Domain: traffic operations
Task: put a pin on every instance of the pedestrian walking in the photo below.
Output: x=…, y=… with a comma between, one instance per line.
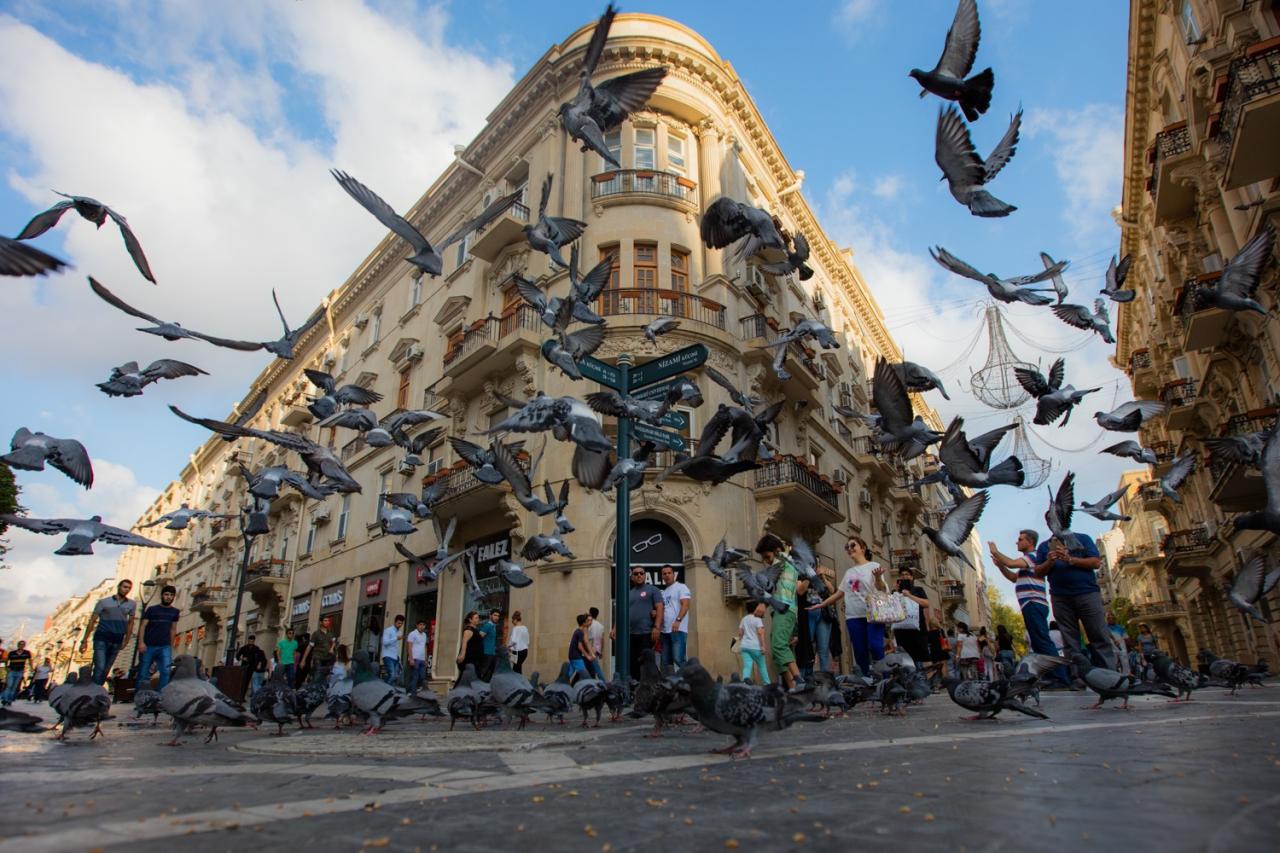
x=909, y=634
x=416, y=647
x=318, y=657
x=111, y=626
x=286, y=655
x=391, y=637
x=676, y=601
x=1119, y=639
x=987, y=655
x=470, y=644
x=644, y=617
x=820, y=624
x=939, y=649
x=1004, y=649
x=1074, y=591
x=18, y=661
x=967, y=652
x=1029, y=587
x=787, y=589
x=158, y=632
x=40, y=681
x=596, y=635
x=751, y=642
x=867, y=638
x=518, y=642
x=341, y=664
x=253, y=664
x=580, y=650
x=490, y=631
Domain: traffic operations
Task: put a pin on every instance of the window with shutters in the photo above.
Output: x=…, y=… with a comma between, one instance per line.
x=402, y=394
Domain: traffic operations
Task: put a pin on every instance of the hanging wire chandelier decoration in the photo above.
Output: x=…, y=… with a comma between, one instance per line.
x=1035, y=469
x=995, y=384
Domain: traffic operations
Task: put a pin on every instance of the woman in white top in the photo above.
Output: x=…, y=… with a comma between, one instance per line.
x=518, y=642
x=967, y=652
x=861, y=578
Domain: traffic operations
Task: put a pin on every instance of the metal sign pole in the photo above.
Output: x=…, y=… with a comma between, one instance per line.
x=622, y=541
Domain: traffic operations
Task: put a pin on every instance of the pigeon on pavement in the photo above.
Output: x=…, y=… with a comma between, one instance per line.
x=1175, y=675
x=987, y=698
x=1053, y=399
x=128, y=379
x=192, y=701
x=1250, y=584
x=19, y=721
x=1009, y=290
x=1132, y=450
x=957, y=525
x=20, y=260
x=1109, y=684
x=274, y=701
x=97, y=213
x=1102, y=509
x=145, y=702
x=81, y=703
x=28, y=451
x=1128, y=417
x=1236, y=289
x=374, y=697
x=947, y=79
x=965, y=172
x=1081, y=318
x=81, y=533
x=424, y=257
x=1116, y=274
x=739, y=709
x=551, y=233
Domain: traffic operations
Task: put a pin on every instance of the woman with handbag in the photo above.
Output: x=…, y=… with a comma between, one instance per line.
x=864, y=578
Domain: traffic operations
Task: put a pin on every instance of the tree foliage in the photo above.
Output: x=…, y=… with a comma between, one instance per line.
x=1123, y=610
x=8, y=503
x=1010, y=618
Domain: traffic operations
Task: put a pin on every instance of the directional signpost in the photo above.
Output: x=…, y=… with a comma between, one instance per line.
x=645, y=382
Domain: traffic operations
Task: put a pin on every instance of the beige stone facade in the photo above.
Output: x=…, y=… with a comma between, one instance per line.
x=1201, y=168
x=453, y=343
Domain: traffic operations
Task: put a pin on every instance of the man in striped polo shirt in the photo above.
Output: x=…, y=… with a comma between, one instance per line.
x=1031, y=590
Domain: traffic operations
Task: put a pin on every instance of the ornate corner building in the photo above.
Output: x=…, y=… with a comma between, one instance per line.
x=456, y=343
x=1201, y=177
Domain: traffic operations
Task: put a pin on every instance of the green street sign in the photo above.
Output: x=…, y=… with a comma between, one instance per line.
x=665, y=438
x=675, y=420
x=659, y=389
x=594, y=368
x=668, y=365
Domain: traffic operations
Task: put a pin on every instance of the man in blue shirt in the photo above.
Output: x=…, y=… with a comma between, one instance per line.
x=159, y=631
x=489, y=631
x=1076, y=597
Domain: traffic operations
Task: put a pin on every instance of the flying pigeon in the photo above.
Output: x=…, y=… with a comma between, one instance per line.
x=735, y=395
x=334, y=397
x=128, y=379
x=1109, y=684
x=554, y=311
x=97, y=213
x=1128, y=417
x=1061, y=507
x=723, y=558
x=967, y=461
x=813, y=329
x=19, y=259
x=192, y=701
x=1116, y=274
x=796, y=260
x=550, y=233
x=566, y=350
x=1053, y=399
x=170, y=331
x=901, y=429
x=918, y=379
x=243, y=416
x=1080, y=317
x=957, y=525
x=946, y=80
x=480, y=459
x=265, y=484
x=659, y=326
x=596, y=110
x=81, y=533
x=965, y=172
x=542, y=545
x=1267, y=518
x=320, y=460
x=738, y=709
x=567, y=417
x=512, y=574
x=80, y=703
x=1250, y=584
x=1243, y=449
x=30, y=450
x=1004, y=289
x=1132, y=450
x=380, y=432
x=395, y=520
x=1236, y=288
x=522, y=486
x=1102, y=509
x=1178, y=472
x=727, y=221
x=649, y=411
x=181, y=517
x=1059, y=286
x=424, y=257
x=492, y=211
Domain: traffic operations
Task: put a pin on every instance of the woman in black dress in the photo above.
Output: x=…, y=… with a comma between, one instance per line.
x=471, y=647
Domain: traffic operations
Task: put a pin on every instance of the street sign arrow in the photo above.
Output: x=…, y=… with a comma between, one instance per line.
x=659, y=389
x=675, y=420
x=668, y=365
x=594, y=368
x=666, y=438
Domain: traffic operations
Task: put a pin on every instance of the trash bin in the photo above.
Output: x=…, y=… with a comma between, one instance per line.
x=230, y=680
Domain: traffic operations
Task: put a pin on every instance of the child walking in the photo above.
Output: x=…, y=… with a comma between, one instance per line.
x=751, y=641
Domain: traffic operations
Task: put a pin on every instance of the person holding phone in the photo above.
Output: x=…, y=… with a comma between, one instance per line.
x=1074, y=591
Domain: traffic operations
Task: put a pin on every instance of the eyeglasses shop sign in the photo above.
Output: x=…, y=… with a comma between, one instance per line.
x=332, y=598
x=302, y=607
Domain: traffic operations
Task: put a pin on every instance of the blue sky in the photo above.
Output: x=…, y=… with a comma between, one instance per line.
x=213, y=135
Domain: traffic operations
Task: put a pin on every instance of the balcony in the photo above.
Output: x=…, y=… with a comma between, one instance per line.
x=1181, y=397
x=210, y=601
x=1151, y=496
x=296, y=415
x=488, y=242
x=871, y=455
x=654, y=302
x=952, y=591
x=758, y=330
x=478, y=342
x=807, y=497
x=1165, y=453
x=1172, y=148
x=223, y=533
x=907, y=558
x=1143, y=371
x=1239, y=487
x=1135, y=557
x=463, y=495
x=266, y=578
x=1202, y=328
x=1187, y=552
x=624, y=186
x=1154, y=611
x=1250, y=119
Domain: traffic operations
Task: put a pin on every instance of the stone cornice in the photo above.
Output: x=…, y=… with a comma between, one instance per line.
x=1142, y=32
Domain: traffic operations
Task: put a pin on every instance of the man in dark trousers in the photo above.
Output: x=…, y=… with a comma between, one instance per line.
x=110, y=625
x=158, y=632
x=321, y=651
x=644, y=615
x=18, y=660
x=253, y=663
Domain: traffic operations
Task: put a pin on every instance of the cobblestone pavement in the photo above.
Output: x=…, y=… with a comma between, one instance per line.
x=1194, y=777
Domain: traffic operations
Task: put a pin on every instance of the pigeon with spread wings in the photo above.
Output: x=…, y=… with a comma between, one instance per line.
x=966, y=173
x=97, y=213
x=947, y=79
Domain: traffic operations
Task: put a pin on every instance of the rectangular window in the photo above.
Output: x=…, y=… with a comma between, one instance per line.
x=615, y=272
x=343, y=515
x=679, y=270
x=646, y=265
x=645, y=148
x=675, y=154
x=1182, y=367
x=382, y=491
x=375, y=328
x=1190, y=26
x=460, y=256
x=435, y=460
x=311, y=535
x=815, y=456
x=415, y=292
x=402, y=394
x=613, y=141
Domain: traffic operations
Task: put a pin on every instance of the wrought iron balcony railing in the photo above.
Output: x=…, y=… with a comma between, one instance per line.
x=644, y=182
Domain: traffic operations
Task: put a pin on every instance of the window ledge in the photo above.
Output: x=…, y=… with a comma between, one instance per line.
x=459, y=272
x=408, y=315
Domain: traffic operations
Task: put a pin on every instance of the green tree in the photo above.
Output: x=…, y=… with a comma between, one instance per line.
x=1010, y=618
x=1123, y=610
x=8, y=503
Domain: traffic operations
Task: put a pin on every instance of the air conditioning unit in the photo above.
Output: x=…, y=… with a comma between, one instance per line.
x=732, y=587
x=818, y=301
x=864, y=497
x=414, y=352
x=886, y=527
x=840, y=476
x=362, y=320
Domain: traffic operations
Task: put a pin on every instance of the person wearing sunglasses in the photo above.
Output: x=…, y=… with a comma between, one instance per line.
x=644, y=616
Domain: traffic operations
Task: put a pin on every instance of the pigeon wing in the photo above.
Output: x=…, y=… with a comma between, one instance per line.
x=962, y=41
x=890, y=398
x=1179, y=470
x=956, y=453
x=168, y=368
x=724, y=223
x=49, y=526
x=1005, y=148
x=1073, y=315
x=1123, y=448
x=20, y=259
x=72, y=459
x=480, y=220
x=954, y=152
x=960, y=521
x=470, y=452
x=381, y=211
x=42, y=222
x=119, y=536
x=111, y=299
x=1032, y=381
x=511, y=471
x=1249, y=580
x=1111, y=498
x=617, y=97
x=1064, y=502
x=358, y=419
x=1240, y=276
x=583, y=342
x=957, y=266
x=321, y=380
x=1057, y=373
x=724, y=382
x=1148, y=408
x=590, y=286
x=132, y=246
x=599, y=36
x=984, y=445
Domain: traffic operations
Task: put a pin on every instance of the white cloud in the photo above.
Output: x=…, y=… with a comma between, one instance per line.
x=855, y=17
x=888, y=187
x=1087, y=147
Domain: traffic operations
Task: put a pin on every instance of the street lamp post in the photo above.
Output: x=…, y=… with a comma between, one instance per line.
x=253, y=523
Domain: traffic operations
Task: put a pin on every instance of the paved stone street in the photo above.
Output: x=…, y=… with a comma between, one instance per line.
x=1203, y=776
